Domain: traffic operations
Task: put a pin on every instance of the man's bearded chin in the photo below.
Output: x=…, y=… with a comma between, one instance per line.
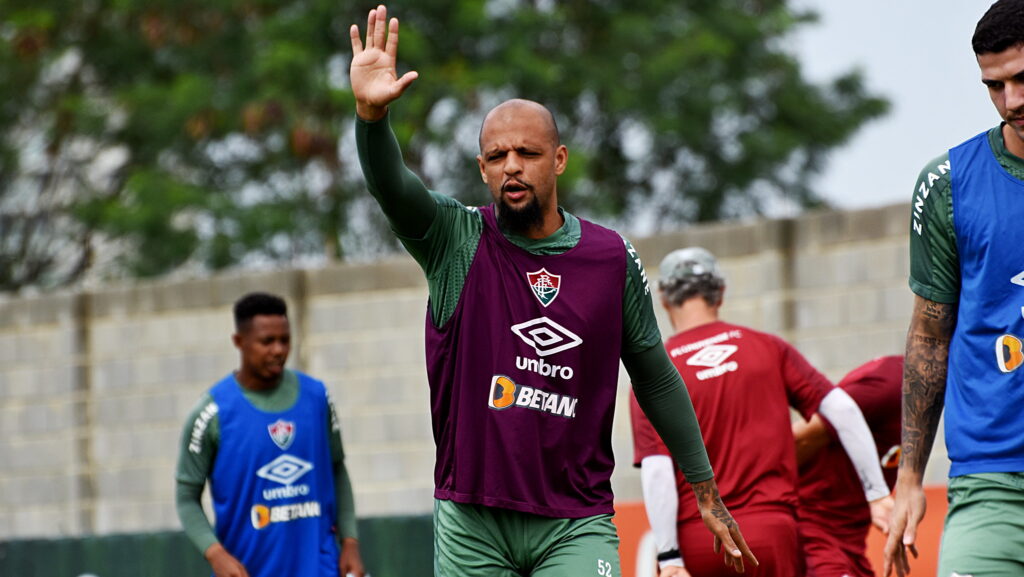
x=522, y=220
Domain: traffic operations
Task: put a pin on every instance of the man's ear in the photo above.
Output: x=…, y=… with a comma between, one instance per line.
x=236, y=339
x=480, y=163
x=561, y=159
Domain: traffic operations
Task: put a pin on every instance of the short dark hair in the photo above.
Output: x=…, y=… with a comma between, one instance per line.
x=708, y=286
x=1001, y=27
x=257, y=303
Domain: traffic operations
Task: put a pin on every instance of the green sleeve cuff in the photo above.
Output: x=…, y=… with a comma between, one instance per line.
x=927, y=292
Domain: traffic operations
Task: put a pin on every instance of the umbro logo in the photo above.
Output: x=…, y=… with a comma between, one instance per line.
x=712, y=356
x=546, y=336
x=285, y=469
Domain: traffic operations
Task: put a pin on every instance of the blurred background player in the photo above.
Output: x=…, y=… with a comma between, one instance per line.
x=743, y=383
x=965, y=344
x=522, y=350
x=834, y=518
x=268, y=440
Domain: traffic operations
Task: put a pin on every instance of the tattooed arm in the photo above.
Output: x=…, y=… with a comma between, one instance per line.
x=924, y=388
x=728, y=540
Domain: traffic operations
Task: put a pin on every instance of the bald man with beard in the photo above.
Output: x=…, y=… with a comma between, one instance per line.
x=530, y=309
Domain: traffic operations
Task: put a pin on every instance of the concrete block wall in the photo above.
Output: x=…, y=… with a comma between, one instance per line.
x=95, y=385
x=40, y=408
x=367, y=345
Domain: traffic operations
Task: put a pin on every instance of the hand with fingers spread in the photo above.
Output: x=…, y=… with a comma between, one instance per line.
x=728, y=539
x=373, y=73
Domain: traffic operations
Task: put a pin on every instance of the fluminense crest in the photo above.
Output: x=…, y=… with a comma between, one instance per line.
x=545, y=285
x=282, y=433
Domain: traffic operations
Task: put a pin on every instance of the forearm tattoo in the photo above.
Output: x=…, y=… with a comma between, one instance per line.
x=707, y=492
x=924, y=379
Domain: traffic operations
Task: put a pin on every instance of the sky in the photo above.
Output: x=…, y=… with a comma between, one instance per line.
x=917, y=53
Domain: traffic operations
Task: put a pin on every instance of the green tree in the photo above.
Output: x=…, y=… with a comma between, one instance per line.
x=141, y=137
x=679, y=111
x=149, y=135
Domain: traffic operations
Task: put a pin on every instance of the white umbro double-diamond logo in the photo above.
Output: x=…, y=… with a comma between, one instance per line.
x=285, y=469
x=546, y=336
x=712, y=355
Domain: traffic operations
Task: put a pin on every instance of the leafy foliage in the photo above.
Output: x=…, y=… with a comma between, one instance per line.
x=673, y=111
x=141, y=137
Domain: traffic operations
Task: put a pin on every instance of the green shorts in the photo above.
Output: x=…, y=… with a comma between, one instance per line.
x=984, y=532
x=478, y=541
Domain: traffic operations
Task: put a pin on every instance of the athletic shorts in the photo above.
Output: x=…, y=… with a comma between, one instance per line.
x=771, y=536
x=984, y=531
x=479, y=541
x=828, y=552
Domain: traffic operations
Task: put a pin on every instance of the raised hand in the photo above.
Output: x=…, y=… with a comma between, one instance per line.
x=373, y=75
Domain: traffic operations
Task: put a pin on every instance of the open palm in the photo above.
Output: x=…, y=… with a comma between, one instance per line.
x=373, y=73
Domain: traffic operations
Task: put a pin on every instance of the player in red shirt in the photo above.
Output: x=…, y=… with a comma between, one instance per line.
x=834, y=517
x=742, y=383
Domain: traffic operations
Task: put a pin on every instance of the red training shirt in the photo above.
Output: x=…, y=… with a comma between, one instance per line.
x=831, y=495
x=742, y=383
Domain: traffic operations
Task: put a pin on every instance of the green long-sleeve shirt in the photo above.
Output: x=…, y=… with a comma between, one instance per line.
x=442, y=235
x=194, y=467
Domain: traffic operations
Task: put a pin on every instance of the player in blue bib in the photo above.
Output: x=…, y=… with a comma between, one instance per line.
x=268, y=441
x=964, y=347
